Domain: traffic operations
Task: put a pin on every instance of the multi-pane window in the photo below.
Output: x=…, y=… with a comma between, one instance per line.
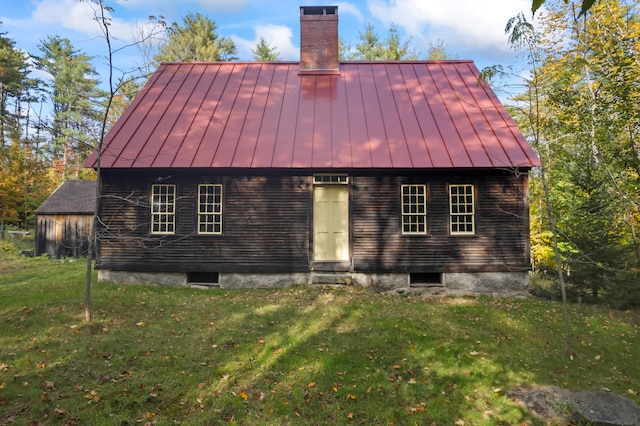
x=461, y=209
x=210, y=209
x=332, y=179
x=414, y=209
x=163, y=209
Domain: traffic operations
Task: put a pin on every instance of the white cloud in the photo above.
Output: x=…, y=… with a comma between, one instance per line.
x=461, y=24
x=209, y=5
x=276, y=35
x=68, y=14
x=79, y=17
x=350, y=9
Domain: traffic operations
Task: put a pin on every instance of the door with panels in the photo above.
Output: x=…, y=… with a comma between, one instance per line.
x=331, y=218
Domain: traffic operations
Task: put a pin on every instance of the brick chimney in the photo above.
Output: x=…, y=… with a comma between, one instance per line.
x=319, y=40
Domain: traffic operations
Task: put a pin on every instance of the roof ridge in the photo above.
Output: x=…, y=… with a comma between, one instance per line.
x=357, y=61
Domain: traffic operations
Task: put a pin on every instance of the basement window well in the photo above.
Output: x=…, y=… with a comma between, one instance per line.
x=425, y=279
x=205, y=278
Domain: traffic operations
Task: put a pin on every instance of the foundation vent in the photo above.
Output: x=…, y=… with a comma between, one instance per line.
x=425, y=279
x=203, y=279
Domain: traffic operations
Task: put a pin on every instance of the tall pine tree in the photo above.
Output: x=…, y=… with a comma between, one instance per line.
x=75, y=98
x=13, y=82
x=265, y=52
x=196, y=40
x=372, y=48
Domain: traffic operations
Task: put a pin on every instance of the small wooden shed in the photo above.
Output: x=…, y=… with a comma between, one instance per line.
x=63, y=221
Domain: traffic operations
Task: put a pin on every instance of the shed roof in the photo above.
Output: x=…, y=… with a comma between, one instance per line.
x=404, y=114
x=71, y=197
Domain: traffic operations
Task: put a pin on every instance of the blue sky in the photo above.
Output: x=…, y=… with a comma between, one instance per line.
x=471, y=29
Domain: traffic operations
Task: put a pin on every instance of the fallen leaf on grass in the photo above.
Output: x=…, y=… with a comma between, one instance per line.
x=350, y=415
x=92, y=397
x=418, y=409
x=243, y=396
x=4, y=367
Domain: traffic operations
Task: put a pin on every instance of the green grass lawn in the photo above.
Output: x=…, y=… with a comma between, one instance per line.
x=300, y=355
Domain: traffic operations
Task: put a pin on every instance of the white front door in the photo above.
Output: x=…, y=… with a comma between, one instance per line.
x=331, y=222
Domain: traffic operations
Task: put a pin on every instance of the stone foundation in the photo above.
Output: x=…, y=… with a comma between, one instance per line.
x=173, y=279
x=225, y=280
x=271, y=280
x=487, y=282
x=452, y=284
x=381, y=282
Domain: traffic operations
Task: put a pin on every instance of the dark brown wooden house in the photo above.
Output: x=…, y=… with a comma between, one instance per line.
x=63, y=221
x=383, y=174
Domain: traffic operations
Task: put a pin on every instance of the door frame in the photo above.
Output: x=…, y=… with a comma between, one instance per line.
x=330, y=179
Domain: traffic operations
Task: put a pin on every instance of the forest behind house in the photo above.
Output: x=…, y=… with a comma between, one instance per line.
x=576, y=97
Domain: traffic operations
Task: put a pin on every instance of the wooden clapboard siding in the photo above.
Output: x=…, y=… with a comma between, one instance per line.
x=265, y=224
x=499, y=244
x=62, y=235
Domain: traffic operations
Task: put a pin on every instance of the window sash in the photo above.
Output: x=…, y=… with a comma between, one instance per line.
x=462, y=209
x=414, y=209
x=210, y=209
x=163, y=208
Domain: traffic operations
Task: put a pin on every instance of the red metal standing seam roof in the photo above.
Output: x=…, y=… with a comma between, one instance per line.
x=404, y=114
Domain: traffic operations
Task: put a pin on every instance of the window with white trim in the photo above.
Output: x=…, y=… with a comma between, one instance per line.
x=414, y=209
x=461, y=209
x=210, y=209
x=163, y=209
